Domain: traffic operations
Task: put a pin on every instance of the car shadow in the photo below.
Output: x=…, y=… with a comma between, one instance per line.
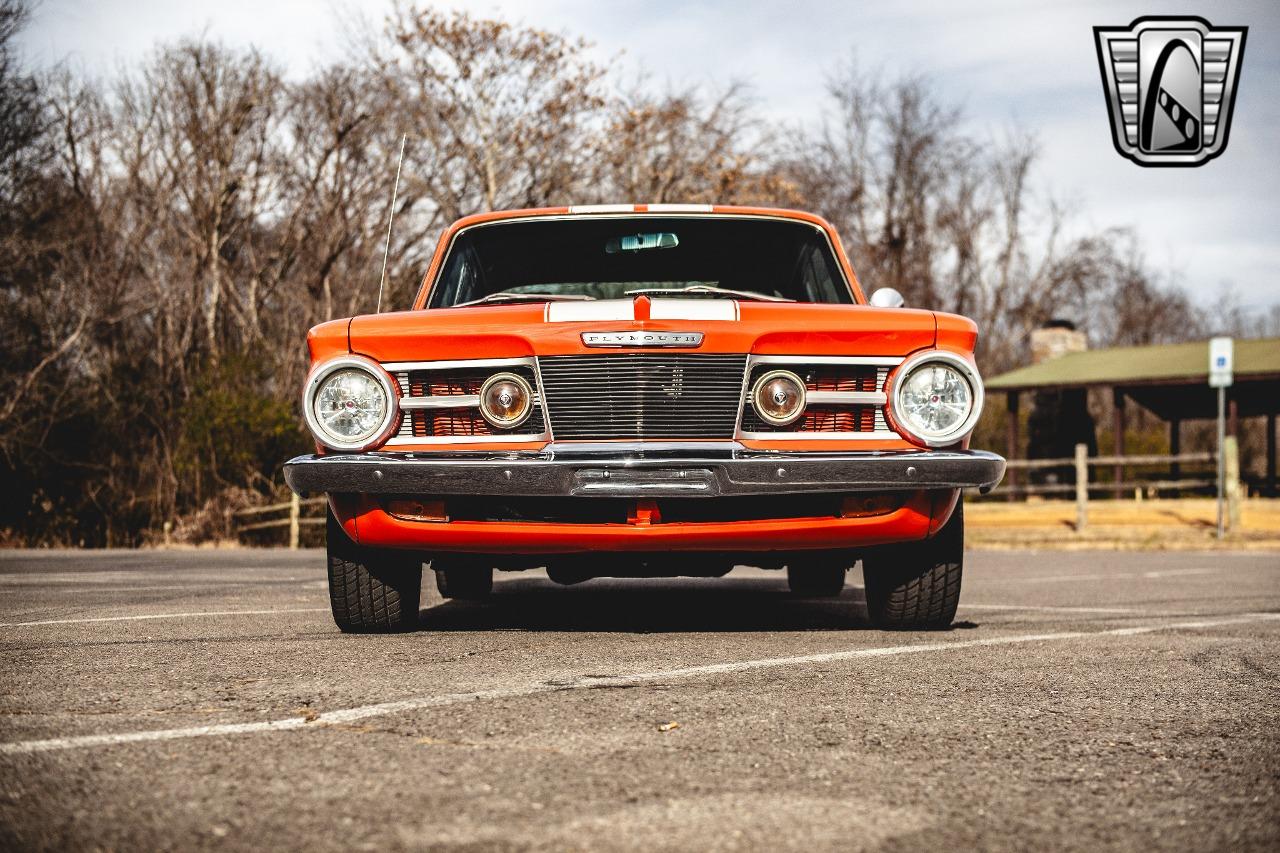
x=649, y=606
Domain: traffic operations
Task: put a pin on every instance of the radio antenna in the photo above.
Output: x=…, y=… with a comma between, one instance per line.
x=386, y=252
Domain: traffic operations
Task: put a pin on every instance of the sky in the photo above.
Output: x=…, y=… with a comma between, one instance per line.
x=1215, y=229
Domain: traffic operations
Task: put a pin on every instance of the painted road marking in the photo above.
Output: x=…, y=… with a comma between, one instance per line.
x=193, y=586
x=164, y=616
x=124, y=582
x=1047, y=609
x=325, y=610
x=1107, y=576
x=350, y=715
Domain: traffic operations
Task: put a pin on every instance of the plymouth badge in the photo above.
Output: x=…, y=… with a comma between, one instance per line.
x=642, y=339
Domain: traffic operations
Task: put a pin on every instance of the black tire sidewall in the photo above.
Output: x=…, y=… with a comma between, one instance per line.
x=371, y=590
x=916, y=586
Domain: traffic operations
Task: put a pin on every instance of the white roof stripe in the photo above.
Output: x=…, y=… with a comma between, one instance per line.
x=602, y=208
x=679, y=208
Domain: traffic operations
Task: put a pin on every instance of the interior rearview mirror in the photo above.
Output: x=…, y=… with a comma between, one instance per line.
x=636, y=242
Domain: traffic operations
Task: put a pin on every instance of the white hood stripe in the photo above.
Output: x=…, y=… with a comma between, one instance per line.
x=693, y=309
x=614, y=310
x=577, y=312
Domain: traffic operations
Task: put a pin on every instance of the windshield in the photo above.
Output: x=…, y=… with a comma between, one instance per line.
x=620, y=257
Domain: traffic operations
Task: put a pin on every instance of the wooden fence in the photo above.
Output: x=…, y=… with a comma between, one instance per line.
x=1082, y=462
x=1119, y=486
x=293, y=519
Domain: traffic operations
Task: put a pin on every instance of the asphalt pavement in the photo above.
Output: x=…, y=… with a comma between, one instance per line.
x=205, y=700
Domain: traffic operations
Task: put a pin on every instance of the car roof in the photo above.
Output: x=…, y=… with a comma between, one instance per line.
x=616, y=209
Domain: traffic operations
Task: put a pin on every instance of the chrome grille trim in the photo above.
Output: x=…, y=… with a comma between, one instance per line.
x=457, y=364
x=883, y=361
x=407, y=404
x=882, y=423
x=847, y=398
x=644, y=395
x=724, y=386
x=878, y=398
x=452, y=401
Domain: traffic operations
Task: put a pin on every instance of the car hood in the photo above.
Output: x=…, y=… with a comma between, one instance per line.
x=504, y=331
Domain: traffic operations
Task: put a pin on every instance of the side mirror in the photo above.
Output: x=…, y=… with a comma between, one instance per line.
x=887, y=297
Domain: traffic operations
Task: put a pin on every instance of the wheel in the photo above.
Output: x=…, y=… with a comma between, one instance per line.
x=462, y=578
x=916, y=586
x=371, y=590
x=817, y=578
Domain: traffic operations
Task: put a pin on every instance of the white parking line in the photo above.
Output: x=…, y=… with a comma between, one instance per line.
x=71, y=577
x=164, y=616
x=349, y=715
x=195, y=587
x=127, y=583
x=1106, y=576
x=1047, y=609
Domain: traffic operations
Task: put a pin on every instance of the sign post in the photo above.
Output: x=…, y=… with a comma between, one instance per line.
x=1221, y=358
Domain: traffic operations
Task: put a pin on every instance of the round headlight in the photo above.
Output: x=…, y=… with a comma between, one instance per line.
x=506, y=400
x=349, y=404
x=778, y=397
x=938, y=399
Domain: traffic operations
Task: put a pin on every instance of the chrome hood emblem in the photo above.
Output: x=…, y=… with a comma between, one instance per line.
x=642, y=339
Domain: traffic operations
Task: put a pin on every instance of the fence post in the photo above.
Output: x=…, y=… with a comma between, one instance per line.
x=1117, y=396
x=1231, y=450
x=1011, y=445
x=1082, y=486
x=295, y=509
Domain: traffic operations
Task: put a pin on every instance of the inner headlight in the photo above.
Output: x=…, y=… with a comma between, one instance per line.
x=938, y=399
x=778, y=397
x=349, y=403
x=506, y=400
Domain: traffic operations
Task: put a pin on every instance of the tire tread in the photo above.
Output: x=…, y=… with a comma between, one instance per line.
x=916, y=587
x=371, y=590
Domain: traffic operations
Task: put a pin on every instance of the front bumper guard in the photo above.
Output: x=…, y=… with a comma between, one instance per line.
x=640, y=474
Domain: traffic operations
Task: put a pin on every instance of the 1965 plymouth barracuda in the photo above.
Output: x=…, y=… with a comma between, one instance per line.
x=640, y=391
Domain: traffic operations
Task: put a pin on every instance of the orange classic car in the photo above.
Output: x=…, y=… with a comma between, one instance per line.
x=641, y=391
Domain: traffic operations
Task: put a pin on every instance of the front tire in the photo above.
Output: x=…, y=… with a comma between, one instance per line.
x=916, y=586
x=371, y=590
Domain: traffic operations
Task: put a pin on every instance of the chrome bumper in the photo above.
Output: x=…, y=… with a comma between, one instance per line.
x=602, y=471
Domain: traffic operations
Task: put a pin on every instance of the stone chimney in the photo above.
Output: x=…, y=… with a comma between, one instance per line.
x=1056, y=338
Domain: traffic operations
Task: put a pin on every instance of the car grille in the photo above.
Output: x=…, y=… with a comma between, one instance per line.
x=642, y=395
x=828, y=417
x=459, y=421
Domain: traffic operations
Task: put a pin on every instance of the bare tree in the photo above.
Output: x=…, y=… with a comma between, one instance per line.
x=685, y=147
x=499, y=116
x=954, y=224
x=196, y=129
